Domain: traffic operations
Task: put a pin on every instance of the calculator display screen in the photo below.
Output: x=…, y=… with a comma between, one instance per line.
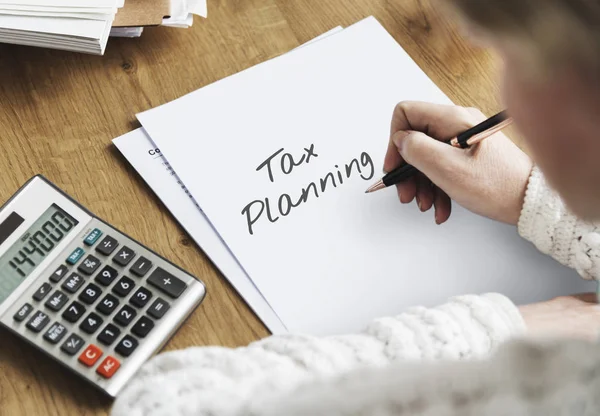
x=33, y=247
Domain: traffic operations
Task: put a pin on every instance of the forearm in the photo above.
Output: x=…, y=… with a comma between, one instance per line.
x=548, y=224
x=222, y=381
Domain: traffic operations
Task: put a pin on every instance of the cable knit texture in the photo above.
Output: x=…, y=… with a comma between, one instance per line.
x=376, y=372
x=547, y=223
x=222, y=381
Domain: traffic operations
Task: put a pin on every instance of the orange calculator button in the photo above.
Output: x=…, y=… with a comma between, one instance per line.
x=108, y=367
x=90, y=355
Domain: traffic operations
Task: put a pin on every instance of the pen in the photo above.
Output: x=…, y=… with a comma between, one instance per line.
x=464, y=140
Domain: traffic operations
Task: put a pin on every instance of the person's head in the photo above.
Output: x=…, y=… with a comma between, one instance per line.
x=551, y=85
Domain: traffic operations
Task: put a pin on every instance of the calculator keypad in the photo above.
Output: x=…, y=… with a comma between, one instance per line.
x=141, y=297
x=90, y=294
x=55, y=333
x=106, y=276
x=74, y=312
x=107, y=246
x=73, y=283
x=38, y=321
x=59, y=273
x=118, y=318
x=89, y=265
x=107, y=305
x=124, y=256
x=91, y=323
x=123, y=286
x=125, y=315
x=109, y=334
x=42, y=292
x=23, y=312
x=72, y=345
x=56, y=301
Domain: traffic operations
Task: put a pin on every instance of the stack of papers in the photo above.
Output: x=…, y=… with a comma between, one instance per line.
x=70, y=25
x=267, y=169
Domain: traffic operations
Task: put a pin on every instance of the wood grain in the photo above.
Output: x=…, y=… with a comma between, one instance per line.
x=59, y=112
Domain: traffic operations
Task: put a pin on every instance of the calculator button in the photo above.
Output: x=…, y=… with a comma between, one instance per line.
x=42, y=292
x=91, y=323
x=166, y=282
x=59, y=273
x=141, y=297
x=23, y=312
x=108, y=304
x=127, y=345
x=92, y=237
x=90, y=355
x=108, y=367
x=55, y=333
x=89, y=265
x=109, y=334
x=73, y=283
x=38, y=321
x=106, y=276
x=72, y=345
x=124, y=256
x=123, y=286
x=74, y=312
x=143, y=327
x=141, y=267
x=57, y=301
x=75, y=255
x=90, y=294
x=107, y=245
x=125, y=315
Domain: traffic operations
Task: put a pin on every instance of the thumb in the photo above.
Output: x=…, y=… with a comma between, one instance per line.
x=435, y=159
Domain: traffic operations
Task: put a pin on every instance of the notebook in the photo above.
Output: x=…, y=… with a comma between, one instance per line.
x=279, y=156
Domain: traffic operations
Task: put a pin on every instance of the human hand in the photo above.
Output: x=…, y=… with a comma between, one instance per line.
x=576, y=316
x=489, y=179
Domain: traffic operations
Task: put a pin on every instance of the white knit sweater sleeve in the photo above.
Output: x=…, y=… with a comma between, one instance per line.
x=547, y=223
x=221, y=381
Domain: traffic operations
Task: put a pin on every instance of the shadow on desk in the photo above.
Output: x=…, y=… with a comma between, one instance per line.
x=30, y=380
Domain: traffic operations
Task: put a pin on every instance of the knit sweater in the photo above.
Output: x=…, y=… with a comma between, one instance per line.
x=446, y=360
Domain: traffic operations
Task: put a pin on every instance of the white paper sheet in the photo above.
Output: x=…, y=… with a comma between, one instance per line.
x=335, y=262
x=152, y=166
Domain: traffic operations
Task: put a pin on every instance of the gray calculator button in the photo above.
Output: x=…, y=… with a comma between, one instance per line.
x=56, y=301
x=90, y=294
x=73, y=283
x=59, y=273
x=143, y=327
x=106, y=276
x=38, y=321
x=55, y=333
x=124, y=256
x=127, y=345
x=72, y=345
x=125, y=315
x=42, y=292
x=109, y=334
x=89, y=265
x=141, y=297
x=158, y=308
x=107, y=245
x=107, y=305
x=166, y=282
x=141, y=267
x=91, y=323
x=23, y=312
x=74, y=312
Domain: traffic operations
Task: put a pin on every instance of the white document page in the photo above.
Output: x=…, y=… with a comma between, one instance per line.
x=156, y=171
x=94, y=29
x=327, y=257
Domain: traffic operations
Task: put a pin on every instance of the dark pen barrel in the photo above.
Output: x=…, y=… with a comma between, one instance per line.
x=399, y=175
x=480, y=128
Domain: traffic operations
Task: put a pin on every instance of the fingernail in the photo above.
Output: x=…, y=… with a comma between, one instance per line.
x=437, y=221
x=419, y=204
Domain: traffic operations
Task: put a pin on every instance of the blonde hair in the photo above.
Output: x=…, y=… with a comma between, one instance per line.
x=554, y=32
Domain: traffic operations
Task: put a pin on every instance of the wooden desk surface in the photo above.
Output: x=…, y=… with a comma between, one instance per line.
x=59, y=112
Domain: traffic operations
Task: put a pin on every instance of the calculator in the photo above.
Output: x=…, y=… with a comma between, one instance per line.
x=83, y=292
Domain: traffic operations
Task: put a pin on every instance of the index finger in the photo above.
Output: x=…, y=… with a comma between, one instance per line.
x=441, y=122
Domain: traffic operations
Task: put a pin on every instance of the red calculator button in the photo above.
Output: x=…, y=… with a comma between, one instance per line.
x=90, y=355
x=108, y=367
